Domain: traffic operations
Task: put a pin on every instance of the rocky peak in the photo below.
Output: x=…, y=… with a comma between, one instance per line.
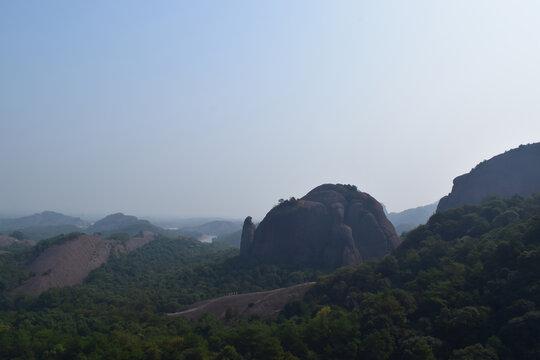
x=331, y=226
x=516, y=171
x=248, y=233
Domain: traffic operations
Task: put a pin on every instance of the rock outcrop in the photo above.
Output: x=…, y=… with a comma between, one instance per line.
x=248, y=234
x=332, y=226
x=517, y=171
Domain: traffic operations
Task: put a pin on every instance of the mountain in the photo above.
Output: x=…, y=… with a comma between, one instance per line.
x=516, y=171
x=69, y=259
x=331, y=226
x=411, y=218
x=116, y=223
x=46, y=218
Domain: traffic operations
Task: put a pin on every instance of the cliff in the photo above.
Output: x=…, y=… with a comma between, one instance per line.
x=516, y=171
x=331, y=226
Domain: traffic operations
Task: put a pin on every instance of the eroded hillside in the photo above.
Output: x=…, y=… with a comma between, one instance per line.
x=70, y=263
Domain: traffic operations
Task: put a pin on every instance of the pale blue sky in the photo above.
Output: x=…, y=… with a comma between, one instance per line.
x=220, y=108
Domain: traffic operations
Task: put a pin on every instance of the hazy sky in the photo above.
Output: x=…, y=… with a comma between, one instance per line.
x=220, y=108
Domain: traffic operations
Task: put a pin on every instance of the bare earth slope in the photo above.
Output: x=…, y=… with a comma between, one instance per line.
x=8, y=240
x=264, y=303
x=69, y=263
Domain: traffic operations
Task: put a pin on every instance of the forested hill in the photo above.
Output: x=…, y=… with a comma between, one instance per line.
x=464, y=286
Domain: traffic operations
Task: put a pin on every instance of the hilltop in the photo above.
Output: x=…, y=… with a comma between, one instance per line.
x=331, y=226
x=45, y=218
x=515, y=172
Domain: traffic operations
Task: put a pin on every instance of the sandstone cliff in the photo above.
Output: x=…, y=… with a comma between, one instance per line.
x=332, y=226
x=248, y=234
x=517, y=171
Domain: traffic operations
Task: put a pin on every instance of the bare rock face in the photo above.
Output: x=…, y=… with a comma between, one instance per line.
x=332, y=226
x=248, y=233
x=70, y=263
x=516, y=171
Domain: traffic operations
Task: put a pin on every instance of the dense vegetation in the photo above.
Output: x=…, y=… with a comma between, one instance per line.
x=173, y=273
x=233, y=239
x=37, y=233
x=126, y=299
x=464, y=286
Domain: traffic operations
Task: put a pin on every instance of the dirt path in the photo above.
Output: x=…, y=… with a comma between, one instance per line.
x=264, y=303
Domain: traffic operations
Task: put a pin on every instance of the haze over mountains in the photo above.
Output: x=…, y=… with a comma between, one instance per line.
x=46, y=218
x=48, y=224
x=411, y=218
x=454, y=267
x=513, y=172
x=145, y=146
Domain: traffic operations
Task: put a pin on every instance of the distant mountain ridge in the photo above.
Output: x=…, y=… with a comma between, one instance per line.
x=409, y=219
x=119, y=222
x=45, y=218
x=515, y=172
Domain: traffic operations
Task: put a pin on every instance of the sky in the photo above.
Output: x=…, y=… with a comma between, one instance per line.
x=220, y=108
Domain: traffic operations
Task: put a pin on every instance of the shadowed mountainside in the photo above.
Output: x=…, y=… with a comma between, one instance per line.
x=332, y=226
x=516, y=171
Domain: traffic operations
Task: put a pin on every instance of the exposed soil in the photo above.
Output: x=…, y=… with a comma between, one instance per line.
x=70, y=263
x=8, y=240
x=264, y=303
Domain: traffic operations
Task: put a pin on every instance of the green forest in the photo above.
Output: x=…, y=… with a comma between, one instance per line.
x=463, y=286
